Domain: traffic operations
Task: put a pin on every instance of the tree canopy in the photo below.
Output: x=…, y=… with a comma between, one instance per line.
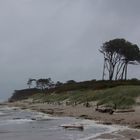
x=118, y=53
x=44, y=83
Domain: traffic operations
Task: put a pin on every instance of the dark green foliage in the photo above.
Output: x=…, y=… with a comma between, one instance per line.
x=58, y=84
x=44, y=83
x=71, y=82
x=23, y=94
x=93, y=85
x=118, y=53
x=30, y=82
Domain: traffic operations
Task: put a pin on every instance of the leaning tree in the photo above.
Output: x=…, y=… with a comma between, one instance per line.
x=30, y=81
x=118, y=53
x=44, y=83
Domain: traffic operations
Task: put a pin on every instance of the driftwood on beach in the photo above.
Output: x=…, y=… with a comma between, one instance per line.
x=124, y=111
x=73, y=126
x=105, y=110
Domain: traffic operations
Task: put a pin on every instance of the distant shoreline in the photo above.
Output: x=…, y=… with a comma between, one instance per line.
x=81, y=111
x=124, y=119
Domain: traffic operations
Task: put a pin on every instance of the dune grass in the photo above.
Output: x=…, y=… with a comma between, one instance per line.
x=120, y=97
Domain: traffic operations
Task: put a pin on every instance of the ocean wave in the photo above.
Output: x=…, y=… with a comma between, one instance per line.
x=1, y=113
x=42, y=116
x=8, y=108
x=109, y=129
x=105, y=129
x=15, y=121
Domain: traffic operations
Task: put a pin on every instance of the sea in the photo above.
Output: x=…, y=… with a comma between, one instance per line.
x=18, y=124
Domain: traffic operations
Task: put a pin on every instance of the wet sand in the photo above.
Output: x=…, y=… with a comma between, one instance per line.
x=131, y=119
x=121, y=135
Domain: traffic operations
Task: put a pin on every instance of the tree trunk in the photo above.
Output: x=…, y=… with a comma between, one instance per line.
x=119, y=68
x=103, y=70
x=111, y=72
x=126, y=65
x=122, y=74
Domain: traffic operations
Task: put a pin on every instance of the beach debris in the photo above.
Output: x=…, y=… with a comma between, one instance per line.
x=34, y=119
x=17, y=118
x=137, y=126
x=132, y=139
x=107, y=123
x=87, y=104
x=73, y=126
x=124, y=111
x=105, y=110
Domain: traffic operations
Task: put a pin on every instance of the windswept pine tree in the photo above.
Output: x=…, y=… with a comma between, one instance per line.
x=118, y=53
x=44, y=83
x=30, y=81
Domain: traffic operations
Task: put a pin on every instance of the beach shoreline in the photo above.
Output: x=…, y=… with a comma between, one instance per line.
x=128, y=119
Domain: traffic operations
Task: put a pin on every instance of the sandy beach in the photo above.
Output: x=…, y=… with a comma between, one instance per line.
x=130, y=119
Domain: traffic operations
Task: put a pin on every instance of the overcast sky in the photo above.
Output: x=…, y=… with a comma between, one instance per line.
x=60, y=38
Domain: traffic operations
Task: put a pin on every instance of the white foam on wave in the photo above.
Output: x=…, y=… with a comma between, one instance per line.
x=108, y=128
x=99, y=134
x=43, y=116
x=9, y=108
x=15, y=121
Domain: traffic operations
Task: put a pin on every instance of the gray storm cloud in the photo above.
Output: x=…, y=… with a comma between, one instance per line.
x=60, y=38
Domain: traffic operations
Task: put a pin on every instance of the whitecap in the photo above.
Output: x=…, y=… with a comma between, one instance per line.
x=109, y=129
x=42, y=116
x=89, y=124
x=9, y=108
x=15, y=121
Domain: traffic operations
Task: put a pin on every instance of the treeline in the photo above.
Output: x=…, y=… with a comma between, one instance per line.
x=23, y=94
x=117, y=53
x=68, y=86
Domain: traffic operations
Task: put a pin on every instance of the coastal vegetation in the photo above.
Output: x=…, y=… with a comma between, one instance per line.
x=117, y=97
x=117, y=94
x=116, y=91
